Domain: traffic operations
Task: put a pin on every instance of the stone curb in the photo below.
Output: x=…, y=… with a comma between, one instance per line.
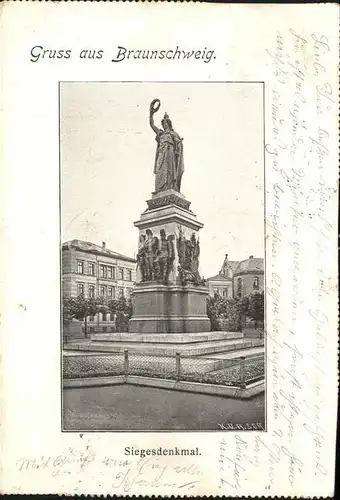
x=180, y=385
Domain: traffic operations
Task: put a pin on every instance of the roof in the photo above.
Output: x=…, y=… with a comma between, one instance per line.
x=251, y=265
x=219, y=277
x=229, y=263
x=86, y=246
x=233, y=264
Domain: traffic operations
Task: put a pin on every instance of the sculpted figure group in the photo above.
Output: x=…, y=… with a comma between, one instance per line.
x=156, y=256
x=188, y=257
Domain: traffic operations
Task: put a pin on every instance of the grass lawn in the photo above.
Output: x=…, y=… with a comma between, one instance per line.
x=128, y=408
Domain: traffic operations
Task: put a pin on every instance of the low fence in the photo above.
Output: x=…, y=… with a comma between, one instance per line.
x=237, y=372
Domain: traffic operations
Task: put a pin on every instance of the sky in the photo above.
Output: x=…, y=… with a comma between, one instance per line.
x=107, y=152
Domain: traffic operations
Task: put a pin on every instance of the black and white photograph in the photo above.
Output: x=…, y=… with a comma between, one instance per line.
x=162, y=247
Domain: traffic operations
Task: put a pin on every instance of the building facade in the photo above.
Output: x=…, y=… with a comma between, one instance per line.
x=95, y=271
x=219, y=285
x=249, y=276
x=222, y=283
x=238, y=278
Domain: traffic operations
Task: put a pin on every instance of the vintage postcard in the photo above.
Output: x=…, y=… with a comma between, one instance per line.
x=170, y=280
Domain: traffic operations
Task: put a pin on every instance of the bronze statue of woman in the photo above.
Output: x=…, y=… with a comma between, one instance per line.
x=169, y=165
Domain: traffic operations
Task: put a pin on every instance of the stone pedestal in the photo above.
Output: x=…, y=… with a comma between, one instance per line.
x=177, y=305
x=169, y=309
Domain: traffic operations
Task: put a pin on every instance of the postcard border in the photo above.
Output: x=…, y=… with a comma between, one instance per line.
x=265, y=259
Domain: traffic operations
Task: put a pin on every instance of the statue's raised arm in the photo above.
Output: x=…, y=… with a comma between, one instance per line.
x=154, y=107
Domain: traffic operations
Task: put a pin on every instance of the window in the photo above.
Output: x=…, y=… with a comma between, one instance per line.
x=129, y=275
x=103, y=291
x=225, y=292
x=112, y=317
x=215, y=291
x=91, y=318
x=128, y=292
x=80, y=289
x=239, y=287
x=121, y=273
x=103, y=271
x=256, y=283
x=91, y=269
x=121, y=291
x=109, y=272
x=80, y=267
x=91, y=291
x=110, y=292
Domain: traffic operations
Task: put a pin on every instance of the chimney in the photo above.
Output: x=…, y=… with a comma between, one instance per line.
x=103, y=245
x=226, y=256
x=251, y=256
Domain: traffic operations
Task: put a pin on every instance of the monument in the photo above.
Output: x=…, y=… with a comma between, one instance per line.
x=170, y=295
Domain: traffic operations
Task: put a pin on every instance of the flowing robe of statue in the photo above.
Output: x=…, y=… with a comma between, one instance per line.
x=169, y=166
x=169, y=161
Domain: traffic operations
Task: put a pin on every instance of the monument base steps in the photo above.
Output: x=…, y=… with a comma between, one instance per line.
x=152, y=348
x=168, y=338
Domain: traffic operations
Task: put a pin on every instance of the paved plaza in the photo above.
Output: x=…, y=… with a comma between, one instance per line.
x=135, y=408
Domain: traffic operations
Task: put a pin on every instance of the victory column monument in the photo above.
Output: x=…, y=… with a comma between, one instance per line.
x=169, y=301
x=169, y=296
